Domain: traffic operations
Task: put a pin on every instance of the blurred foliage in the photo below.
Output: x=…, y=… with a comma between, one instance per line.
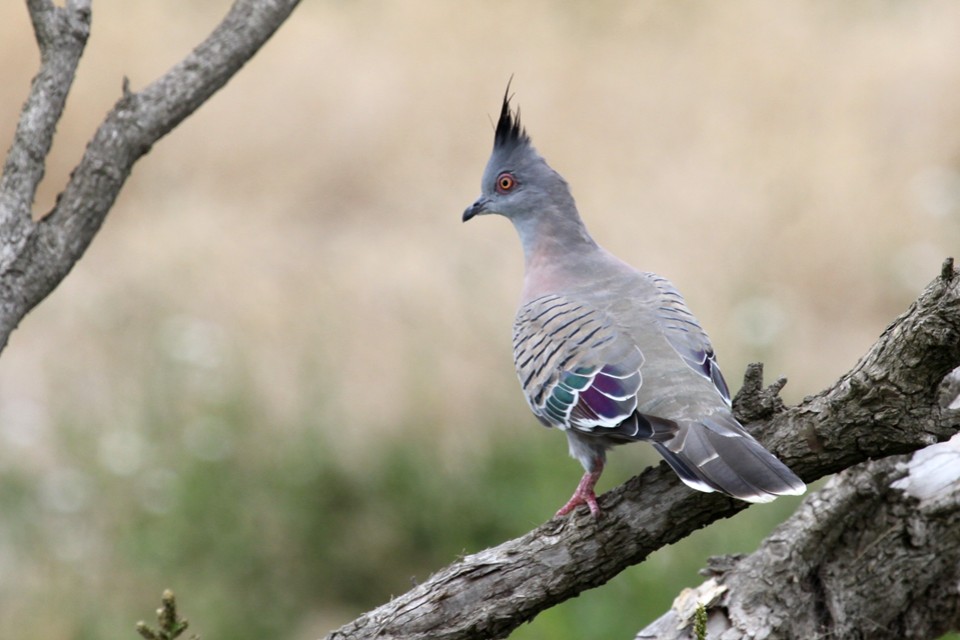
x=274, y=533
x=277, y=530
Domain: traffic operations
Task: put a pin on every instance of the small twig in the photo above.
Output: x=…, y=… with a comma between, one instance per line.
x=700, y=622
x=171, y=625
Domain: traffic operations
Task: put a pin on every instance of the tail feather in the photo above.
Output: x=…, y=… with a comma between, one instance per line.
x=717, y=454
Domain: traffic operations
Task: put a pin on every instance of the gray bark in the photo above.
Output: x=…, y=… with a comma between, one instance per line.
x=36, y=255
x=887, y=404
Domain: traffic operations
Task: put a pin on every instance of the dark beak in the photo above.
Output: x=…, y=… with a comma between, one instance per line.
x=478, y=207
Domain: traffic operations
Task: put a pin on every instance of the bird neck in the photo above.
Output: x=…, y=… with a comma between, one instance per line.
x=553, y=238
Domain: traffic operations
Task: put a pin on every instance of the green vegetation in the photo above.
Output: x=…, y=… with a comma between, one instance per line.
x=274, y=533
x=276, y=529
x=700, y=623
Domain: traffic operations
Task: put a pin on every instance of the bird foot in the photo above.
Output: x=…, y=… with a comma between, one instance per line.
x=583, y=495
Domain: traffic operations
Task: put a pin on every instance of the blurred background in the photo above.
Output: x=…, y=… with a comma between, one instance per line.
x=280, y=380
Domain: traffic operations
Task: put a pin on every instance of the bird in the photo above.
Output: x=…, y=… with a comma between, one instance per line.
x=610, y=354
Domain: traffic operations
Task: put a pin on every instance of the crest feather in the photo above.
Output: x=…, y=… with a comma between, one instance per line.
x=509, y=131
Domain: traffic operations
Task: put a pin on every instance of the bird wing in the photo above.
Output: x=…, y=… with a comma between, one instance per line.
x=577, y=369
x=685, y=335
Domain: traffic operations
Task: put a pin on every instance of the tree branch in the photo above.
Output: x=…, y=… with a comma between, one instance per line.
x=874, y=554
x=35, y=257
x=61, y=35
x=886, y=404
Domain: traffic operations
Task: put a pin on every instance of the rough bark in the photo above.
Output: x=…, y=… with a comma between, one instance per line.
x=887, y=404
x=874, y=554
x=36, y=255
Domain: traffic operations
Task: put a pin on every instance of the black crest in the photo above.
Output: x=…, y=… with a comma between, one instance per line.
x=509, y=131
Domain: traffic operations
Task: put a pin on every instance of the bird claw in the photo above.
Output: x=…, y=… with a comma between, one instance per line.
x=578, y=499
x=584, y=495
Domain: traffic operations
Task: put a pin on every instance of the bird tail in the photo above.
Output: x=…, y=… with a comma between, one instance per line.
x=715, y=453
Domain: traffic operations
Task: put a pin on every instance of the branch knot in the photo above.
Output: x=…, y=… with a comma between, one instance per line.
x=754, y=402
x=946, y=270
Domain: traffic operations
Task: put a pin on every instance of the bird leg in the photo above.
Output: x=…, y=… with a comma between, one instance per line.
x=584, y=494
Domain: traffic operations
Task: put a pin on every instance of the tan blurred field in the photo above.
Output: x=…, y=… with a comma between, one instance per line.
x=794, y=167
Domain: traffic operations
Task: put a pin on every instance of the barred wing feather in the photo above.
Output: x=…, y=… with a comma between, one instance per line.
x=576, y=370
x=685, y=335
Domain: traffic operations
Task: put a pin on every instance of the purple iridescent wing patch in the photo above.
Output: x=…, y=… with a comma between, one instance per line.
x=589, y=397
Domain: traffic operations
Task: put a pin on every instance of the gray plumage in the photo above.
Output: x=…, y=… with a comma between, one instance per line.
x=610, y=354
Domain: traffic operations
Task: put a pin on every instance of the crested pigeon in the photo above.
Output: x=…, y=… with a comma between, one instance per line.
x=609, y=354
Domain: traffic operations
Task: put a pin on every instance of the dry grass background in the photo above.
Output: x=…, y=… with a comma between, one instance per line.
x=793, y=167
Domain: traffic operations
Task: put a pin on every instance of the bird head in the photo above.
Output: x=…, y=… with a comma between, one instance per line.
x=518, y=183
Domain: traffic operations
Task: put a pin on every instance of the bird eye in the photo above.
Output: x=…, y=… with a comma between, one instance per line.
x=505, y=182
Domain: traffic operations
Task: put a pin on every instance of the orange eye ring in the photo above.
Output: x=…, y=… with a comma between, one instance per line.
x=505, y=182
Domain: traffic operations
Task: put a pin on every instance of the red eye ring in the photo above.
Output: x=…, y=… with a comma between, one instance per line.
x=506, y=182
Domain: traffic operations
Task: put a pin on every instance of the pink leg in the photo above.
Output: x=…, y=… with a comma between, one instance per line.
x=584, y=494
